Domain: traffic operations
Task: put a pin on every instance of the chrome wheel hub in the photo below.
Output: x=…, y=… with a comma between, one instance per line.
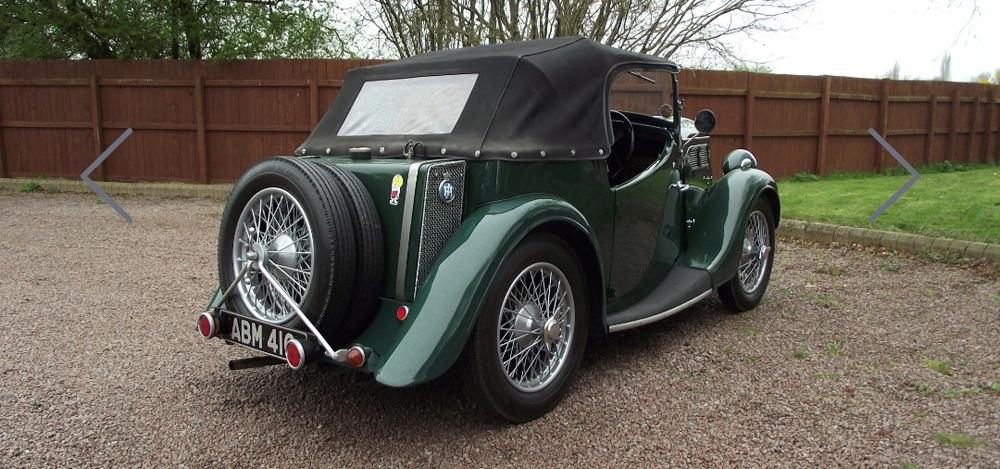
x=273, y=233
x=550, y=333
x=756, y=253
x=526, y=320
x=281, y=251
x=535, y=330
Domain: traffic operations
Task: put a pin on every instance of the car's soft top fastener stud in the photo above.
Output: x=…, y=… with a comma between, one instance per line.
x=543, y=153
x=513, y=154
x=361, y=153
x=327, y=151
x=381, y=149
x=600, y=151
x=572, y=152
x=477, y=154
x=444, y=150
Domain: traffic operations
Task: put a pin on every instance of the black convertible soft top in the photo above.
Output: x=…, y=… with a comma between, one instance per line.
x=526, y=100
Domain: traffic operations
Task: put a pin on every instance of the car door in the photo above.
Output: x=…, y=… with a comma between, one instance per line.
x=649, y=227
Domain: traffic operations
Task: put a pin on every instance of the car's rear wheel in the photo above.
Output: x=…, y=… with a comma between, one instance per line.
x=745, y=290
x=295, y=216
x=530, y=336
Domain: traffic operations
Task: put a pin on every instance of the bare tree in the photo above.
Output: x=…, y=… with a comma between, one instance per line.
x=895, y=73
x=945, y=67
x=657, y=27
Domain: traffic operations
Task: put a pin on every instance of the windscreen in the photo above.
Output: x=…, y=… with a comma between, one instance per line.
x=409, y=106
x=648, y=92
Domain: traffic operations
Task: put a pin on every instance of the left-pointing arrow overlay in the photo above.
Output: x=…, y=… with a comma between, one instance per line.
x=100, y=159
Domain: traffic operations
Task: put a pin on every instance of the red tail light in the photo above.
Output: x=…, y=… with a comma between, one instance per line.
x=356, y=357
x=402, y=312
x=295, y=354
x=208, y=325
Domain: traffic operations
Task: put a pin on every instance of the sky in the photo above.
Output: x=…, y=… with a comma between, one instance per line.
x=864, y=38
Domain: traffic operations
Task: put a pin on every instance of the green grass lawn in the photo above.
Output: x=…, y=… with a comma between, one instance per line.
x=961, y=205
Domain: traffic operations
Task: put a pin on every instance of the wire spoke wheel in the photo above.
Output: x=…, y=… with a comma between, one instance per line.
x=756, y=246
x=535, y=330
x=531, y=333
x=274, y=225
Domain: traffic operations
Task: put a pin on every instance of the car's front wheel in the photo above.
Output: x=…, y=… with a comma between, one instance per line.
x=745, y=290
x=530, y=336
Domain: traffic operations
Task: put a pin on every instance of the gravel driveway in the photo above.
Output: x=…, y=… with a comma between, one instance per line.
x=101, y=366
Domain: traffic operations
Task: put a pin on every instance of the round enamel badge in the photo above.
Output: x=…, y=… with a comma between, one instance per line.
x=446, y=191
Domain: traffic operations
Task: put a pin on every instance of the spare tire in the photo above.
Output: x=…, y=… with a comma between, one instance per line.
x=295, y=212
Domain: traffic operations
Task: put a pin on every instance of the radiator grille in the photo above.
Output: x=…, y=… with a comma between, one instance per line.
x=439, y=220
x=697, y=156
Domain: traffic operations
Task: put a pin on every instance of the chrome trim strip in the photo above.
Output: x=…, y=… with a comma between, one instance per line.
x=404, y=232
x=669, y=312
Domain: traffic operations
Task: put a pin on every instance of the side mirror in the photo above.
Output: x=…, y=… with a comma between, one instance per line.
x=704, y=121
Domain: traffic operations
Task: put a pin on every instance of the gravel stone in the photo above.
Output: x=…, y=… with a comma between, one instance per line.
x=102, y=367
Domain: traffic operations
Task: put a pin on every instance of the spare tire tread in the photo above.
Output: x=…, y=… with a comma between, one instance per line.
x=339, y=289
x=369, y=249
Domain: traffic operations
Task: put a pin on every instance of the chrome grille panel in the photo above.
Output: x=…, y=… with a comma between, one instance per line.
x=697, y=156
x=438, y=220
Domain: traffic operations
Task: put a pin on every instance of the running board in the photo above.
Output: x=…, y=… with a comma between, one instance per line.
x=680, y=289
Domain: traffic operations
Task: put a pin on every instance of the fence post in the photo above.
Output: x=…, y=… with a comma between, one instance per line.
x=882, y=125
x=953, y=123
x=973, y=126
x=991, y=104
x=199, y=117
x=313, y=103
x=749, y=108
x=95, y=122
x=824, y=126
x=929, y=142
x=3, y=165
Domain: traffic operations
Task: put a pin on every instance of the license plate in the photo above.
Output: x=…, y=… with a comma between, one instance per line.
x=257, y=335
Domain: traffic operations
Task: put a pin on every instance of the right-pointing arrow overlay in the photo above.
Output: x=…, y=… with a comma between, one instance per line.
x=895, y=154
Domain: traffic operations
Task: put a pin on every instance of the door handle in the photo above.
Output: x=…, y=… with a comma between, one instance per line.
x=680, y=186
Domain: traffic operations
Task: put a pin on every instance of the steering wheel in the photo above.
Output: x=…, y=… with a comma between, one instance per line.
x=624, y=143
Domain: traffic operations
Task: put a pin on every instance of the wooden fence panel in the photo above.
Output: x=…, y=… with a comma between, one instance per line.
x=202, y=121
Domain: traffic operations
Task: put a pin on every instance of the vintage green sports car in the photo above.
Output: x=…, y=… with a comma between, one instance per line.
x=486, y=208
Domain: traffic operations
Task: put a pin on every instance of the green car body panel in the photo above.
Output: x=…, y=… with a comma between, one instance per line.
x=498, y=216
x=720, y=213
x=444, y=312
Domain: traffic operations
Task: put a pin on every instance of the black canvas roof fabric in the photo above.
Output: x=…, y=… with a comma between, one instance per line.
x=532, y=100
